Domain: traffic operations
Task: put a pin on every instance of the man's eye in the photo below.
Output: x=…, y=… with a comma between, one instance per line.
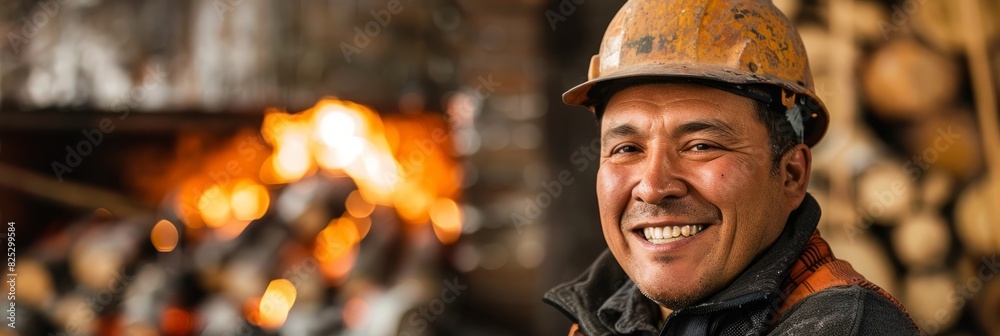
x=702, y=147
x=625, y=149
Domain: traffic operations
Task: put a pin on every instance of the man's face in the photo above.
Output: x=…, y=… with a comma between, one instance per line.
x=687, y=197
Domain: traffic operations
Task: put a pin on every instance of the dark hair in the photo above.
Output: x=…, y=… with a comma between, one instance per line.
x=779, y=130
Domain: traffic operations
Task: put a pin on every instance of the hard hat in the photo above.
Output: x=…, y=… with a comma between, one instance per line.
x=742, y=45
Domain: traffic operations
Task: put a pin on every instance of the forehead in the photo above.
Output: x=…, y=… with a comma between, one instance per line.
x=692, y=100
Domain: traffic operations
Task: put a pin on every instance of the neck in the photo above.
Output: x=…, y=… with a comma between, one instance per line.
x=664, y=312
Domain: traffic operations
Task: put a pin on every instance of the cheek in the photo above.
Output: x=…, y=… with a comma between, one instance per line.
x=613, y=190
x=723, y=182
x=745, y=195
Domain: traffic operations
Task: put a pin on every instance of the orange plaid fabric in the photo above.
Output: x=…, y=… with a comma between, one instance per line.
x=817, y=269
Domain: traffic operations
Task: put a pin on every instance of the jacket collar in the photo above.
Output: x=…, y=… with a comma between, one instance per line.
x=621, y=308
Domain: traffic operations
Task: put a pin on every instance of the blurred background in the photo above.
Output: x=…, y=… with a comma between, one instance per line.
x=370, y=167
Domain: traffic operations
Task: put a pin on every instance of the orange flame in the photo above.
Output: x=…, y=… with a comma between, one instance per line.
x=358, y=206
x=275, y=304
x=214, y=207
x=229, y=208
x=336, y=248
x=401, y=162
x=447, y=219
x=249, y=200
x=177, y=321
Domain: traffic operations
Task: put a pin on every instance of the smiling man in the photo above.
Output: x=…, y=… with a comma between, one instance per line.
x=707, y=114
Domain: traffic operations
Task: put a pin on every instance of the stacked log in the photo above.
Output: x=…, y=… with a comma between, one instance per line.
x=906, y=176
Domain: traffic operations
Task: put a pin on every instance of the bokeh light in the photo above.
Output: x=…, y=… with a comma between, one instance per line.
x=164, y=236
x=275, y=304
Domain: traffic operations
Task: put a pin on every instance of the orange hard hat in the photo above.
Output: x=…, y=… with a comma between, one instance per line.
x=743, y=45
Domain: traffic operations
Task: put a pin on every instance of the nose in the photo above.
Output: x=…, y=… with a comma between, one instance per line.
x=659, y=181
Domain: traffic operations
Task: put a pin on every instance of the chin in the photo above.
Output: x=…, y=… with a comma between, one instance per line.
x=671, y=292
x=673, y=300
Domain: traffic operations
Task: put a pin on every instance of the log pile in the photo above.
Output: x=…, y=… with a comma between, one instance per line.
x=907, y=174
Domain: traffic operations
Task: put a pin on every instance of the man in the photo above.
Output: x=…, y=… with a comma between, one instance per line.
x=707, y=115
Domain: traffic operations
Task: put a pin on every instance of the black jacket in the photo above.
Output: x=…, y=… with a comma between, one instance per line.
x=603, y=301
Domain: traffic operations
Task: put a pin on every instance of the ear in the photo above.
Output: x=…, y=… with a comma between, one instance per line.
x=794, y=174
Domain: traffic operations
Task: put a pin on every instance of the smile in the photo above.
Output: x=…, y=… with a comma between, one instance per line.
x=669, y=234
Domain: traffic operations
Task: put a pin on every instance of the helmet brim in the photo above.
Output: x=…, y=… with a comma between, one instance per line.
x=584, y=95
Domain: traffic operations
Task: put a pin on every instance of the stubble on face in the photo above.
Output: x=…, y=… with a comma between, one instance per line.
x=728, y=188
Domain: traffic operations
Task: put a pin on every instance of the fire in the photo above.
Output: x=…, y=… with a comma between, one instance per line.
x=336, y=125
x=214, y=207
x=400, y=162
x=231, y=230
x=349, y=150
x=176, y=321
x=447, y=219
x=249, y=200
x=231, y=207
x=358, y=206
x=336, y=248
x=291, y=160
x=275, y=304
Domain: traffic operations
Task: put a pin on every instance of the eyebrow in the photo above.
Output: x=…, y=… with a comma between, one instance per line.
x=715, y=128
x=712, y=127
x=623, y=130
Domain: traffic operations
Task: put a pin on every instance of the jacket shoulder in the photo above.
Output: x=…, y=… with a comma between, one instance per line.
x=846, y=310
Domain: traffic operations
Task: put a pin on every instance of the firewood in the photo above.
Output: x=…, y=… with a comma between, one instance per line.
x=904, y=80
x=69, y=193
x=978, y=285
x=976, y=31
x=936, y=188
x=922, y=241
x=925, y=295
x=869, y=18
x=817, y=42
x=976, y=218
x=885, y=192
x=947, y=141
x=940, y=22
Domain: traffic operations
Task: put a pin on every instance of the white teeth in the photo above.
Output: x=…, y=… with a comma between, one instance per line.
x=665, y=234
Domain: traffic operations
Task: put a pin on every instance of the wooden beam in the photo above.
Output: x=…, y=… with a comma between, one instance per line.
x=70, y=193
